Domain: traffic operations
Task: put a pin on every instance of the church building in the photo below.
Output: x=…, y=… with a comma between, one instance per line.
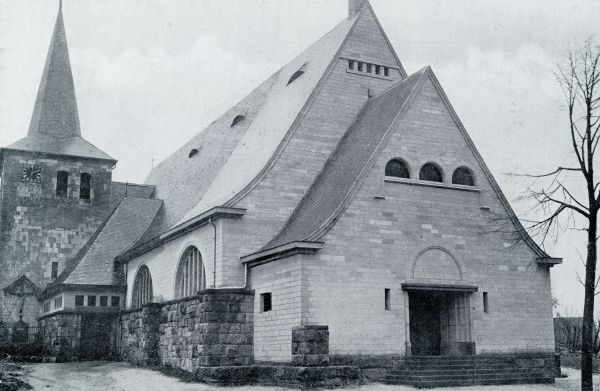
x=338, y=218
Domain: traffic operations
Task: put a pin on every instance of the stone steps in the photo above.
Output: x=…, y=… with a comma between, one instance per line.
x=440, y=371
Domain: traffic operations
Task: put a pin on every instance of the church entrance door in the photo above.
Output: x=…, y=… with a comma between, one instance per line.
x=425, y=325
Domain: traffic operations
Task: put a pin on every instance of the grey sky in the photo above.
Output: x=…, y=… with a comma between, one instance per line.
x=150, y=74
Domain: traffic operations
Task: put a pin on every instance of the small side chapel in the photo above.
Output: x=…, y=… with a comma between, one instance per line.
x=339, y=211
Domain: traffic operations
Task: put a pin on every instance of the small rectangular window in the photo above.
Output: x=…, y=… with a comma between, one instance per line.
x=47, y=306
x=360, y=66
x=388, y=306
x=78, y=300
x=115, y=301
x=369, y=68
x=377, y=69
x=265, y=302
x=486, y=306
x=91, y=301
x=58, y=302
x=103, y=301
x=54, y=272
x=386, y=71
x=350, y=64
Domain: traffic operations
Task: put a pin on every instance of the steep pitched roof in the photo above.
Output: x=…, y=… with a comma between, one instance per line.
x=23, y=286
x=94, y=265
x=346, y=166
x=344, y=172
x=228, y=157
x=54, y=127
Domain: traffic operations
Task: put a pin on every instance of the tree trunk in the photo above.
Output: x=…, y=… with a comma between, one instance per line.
x=587, y=329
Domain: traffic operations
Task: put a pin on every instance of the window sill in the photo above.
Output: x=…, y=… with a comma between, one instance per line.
x=431, y=184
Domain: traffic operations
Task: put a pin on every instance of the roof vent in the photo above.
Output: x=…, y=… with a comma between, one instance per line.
x=298, y=73
x=193, y=152
x=238, y=118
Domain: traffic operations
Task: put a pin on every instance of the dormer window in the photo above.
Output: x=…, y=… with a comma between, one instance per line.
x=62, y=183
x=297, y=74
x=85, y=186
x=238, y=118
x=192, y=152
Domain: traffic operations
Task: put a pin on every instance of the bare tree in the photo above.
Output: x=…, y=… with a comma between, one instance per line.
x=562, y=202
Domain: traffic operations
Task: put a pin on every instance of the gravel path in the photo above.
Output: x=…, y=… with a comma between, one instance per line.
x=102, y=375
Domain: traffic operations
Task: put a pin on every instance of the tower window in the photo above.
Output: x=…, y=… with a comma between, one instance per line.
x=85, y=186
x=62, y=183
x=54, y=271
x=265, y=302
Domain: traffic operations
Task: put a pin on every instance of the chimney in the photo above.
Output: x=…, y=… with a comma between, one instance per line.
x=354, y=7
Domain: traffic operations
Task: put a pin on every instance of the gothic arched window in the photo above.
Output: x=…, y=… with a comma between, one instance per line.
x=463, y=176
x=190, y=274
x=397, y=168
x=142, y=287
x=431, y=172
x=85, y=186
x=62, y=183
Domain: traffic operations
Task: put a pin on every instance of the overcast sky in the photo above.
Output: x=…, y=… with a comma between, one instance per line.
x=149, y=74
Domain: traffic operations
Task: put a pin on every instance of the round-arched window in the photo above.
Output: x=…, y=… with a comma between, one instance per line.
x=142, y=287
x=190, y=274
x=463, y=176
x=397, y=168
x=431, y=172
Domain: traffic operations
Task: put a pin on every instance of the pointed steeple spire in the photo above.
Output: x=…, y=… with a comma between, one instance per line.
x=55, y=111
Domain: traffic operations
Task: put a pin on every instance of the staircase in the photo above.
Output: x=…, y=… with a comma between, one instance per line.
x=445, y=371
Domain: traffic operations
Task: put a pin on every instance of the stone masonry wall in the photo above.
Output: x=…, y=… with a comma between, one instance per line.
x=37, y=227
x=214, y=328
x=310, y=346
x=61, y=336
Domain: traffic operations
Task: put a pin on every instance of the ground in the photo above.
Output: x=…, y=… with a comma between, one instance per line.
x=103, y=375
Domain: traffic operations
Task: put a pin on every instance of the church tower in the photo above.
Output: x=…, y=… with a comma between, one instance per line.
x=55, y=190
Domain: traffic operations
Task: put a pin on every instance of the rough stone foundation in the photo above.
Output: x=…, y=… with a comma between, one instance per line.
x=61, y=336
x=310, y=346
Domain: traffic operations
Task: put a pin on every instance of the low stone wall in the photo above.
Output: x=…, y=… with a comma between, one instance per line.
x=213, y=328
x=61, y=336
x=139, y=335
x=310, y=346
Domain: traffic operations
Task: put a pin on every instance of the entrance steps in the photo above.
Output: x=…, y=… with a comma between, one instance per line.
x=445, y=371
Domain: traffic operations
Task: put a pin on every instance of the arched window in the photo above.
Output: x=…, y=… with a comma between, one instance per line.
x=463, y=176
x=237, y=120
x=190, y=274
x=397, y=168
x=62, y=183
x=298, y=73
x=85, y=186
x=142, y=287
x=431, y=172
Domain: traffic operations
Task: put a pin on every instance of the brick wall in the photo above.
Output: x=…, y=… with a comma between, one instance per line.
x=37, y=227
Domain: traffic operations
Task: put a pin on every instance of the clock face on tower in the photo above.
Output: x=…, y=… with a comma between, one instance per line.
x=32, y=173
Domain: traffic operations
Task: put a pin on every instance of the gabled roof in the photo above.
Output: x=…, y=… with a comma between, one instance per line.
x=23, y=286
x=345, y=168
x=54, y=127
x=229, y=157
x=94, y=265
